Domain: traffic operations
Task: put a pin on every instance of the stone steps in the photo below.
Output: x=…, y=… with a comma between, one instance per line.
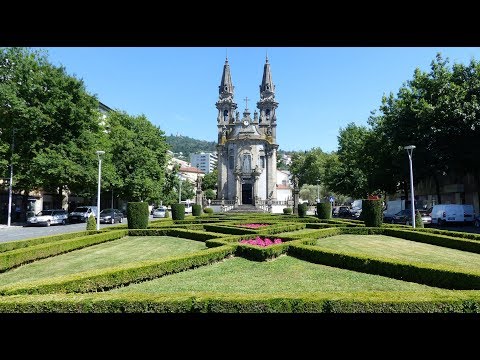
x=245, y=209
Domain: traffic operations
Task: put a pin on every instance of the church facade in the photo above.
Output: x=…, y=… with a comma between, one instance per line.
x=247, y=148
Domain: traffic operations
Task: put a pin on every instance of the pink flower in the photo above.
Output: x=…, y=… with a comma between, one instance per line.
x=258, y=241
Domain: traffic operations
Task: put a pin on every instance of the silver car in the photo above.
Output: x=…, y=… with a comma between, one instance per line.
x=49, y=217
x=159, y=212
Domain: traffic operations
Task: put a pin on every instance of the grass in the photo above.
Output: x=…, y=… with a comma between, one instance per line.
x=285, y=274
x=125, y=250
x=400, y=249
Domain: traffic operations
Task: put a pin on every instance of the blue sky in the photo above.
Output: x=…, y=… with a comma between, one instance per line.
x=319, y=89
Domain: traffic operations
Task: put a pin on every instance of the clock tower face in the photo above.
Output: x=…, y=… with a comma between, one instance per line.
x=245, y=123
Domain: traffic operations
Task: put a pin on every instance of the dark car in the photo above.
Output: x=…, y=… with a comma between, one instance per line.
x=405, y=217
x=111, y=216
x=344, y=211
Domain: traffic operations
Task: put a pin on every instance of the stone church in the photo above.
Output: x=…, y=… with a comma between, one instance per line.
x=247, y=148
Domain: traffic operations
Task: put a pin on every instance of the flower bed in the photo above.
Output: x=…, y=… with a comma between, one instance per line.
x=258, y=241
x=254, y=226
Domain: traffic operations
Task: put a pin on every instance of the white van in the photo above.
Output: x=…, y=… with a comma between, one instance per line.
x=451, y=213
x=468, y=214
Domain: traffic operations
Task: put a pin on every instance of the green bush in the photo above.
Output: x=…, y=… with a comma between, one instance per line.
x=208, y=211
x=324, y=302
x=287, y=211
x=178, y=211
x=418, y=220
x=372, y=212
x=302, y=210
x=181, y=233
x=91, y=223
x=167, y=214
x=324, y=210
x=104, y=279
x=196, y=210
x=13, y=258
x=225, y=229
x=137, y=215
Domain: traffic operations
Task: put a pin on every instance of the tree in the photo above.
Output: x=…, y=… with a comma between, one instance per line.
x=210, y=194
x=54, y=121
x=209, y=181
x=138, y=154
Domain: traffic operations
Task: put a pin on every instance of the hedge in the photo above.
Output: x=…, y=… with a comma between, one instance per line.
x=287, y=211
x=225, y=229
x=325, y=302
x=19, y=244
x=13, y=258
x=196, y=210
x=428, y=274
x=104, y=279
x=208, y=211
x=91, y=223
x=434, y=239
x=178, y=211
x=181, y=233
x=324, y=210
x=137, y=215
x=302, y=210
x=372, y=212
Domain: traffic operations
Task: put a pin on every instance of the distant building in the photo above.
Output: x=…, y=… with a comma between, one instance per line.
x=204, y=161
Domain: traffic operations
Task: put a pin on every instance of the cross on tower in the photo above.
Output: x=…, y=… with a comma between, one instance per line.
x=246, y=102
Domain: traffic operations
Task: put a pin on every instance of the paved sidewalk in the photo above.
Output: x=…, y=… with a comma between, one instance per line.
x=13, y=225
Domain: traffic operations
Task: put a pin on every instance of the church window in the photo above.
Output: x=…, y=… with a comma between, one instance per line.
x=231, y=162
x=262, y=161
x=246, y=165
x=225, y=113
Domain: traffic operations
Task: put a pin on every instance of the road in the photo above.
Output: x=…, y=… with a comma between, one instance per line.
x=19, y=232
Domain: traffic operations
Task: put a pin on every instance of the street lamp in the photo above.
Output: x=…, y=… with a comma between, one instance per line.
x=179, y=189
x=9, y=220
x=318, y=191
x=100, y=153
x=409, y=149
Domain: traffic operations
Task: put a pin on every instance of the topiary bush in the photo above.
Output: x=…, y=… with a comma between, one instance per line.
x=372, y=212
x=302, y=210
x=178, y=211
x=418, y=220
x=137, y=215
x=324, y=210
x=208, y=211
x=287, y=211
x=91, y=223
x=196, y=210
x=167, y=214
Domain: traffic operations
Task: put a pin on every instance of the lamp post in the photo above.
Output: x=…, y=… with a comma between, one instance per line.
x=9, y=220
x=409, y=149
x=318, y=191
x=179, y=189
x=100, y=153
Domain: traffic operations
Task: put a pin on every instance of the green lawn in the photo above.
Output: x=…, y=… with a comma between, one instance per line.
x=112, y=253
x=400, y=249
x=285, y=274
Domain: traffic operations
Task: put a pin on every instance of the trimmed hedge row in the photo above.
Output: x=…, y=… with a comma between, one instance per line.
x=19, y=244
x=181, y=233
x=327, y=302
x=428, y=274
x=104, y=279
x=434, y=239
x=465, y=235
x=14, y=258
x=225, y=229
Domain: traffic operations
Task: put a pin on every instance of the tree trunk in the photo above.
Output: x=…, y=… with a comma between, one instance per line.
x=437, y=188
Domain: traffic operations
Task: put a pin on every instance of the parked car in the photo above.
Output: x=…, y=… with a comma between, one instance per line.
x=111, y=216
x=344, y=211
x=82, y=213
x=477, y=221
x=335, y=210
x=49, y=217
x=405, y=217
x=159, y=212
